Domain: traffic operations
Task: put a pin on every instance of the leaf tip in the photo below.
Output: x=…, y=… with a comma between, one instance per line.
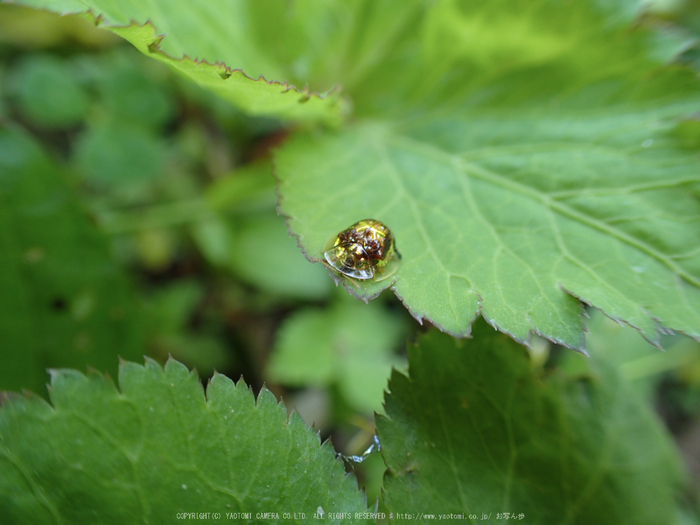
x=152, y=364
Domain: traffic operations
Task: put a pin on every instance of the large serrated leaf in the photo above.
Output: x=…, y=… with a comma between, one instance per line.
x=231, y=48
x=525, y=153
x=486, y=435
x=158, y=448
x=64, y=302
x=522, y=165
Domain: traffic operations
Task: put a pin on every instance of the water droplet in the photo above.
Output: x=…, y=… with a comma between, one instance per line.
x=184, y=487
x=647, y=143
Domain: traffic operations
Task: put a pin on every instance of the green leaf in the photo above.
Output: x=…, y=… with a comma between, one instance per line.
x=327, y=348
x=258, y=247
x=158, y=448
x=250, y=188
x=249, y=238
x=227, y=47
x=170, y=332
x=474, y=430
x=524, y=155
x=263, y=254
x=63, y=301
x=120, y=153
x=131, y=89
x=48, y=92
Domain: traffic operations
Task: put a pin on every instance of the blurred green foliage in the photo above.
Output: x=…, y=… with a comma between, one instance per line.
x=138, y=217
x=349, y=345
x=48, y=93
x=177, y=187
x=64, y=301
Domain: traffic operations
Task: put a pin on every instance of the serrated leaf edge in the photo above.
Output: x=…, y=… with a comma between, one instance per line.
x=333, y=95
